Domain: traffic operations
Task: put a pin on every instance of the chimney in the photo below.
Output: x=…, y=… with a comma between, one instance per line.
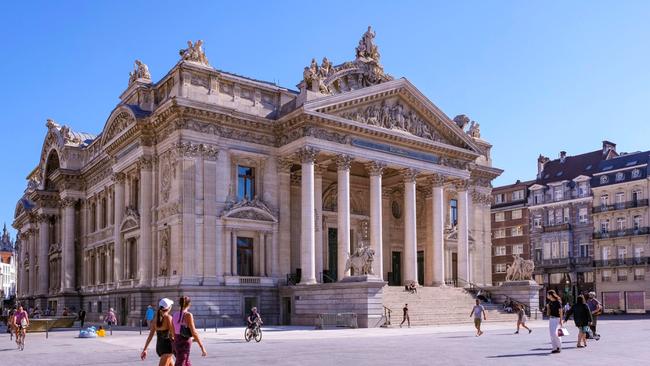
x=562, y=156
x=541, y=161
x=607, y=147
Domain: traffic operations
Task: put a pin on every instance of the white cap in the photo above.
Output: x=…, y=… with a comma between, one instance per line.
x=165, y=303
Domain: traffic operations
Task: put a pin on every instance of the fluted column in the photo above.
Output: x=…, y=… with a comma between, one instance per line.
x=343, y=163
x=144, y=246
x=118, y=257
x=68, y=275
x=282, y=257
x=410, y=228
x=43, y=254
x=307, y=233
x=463, y=234
x=438, y=227
x=375, y=170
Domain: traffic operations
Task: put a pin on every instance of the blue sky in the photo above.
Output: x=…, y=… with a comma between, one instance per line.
x=539, y=77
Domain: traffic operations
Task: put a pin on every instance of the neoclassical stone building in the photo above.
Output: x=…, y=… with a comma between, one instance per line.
x=225, y=188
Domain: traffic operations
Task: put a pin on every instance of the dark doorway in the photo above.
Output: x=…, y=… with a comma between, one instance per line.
x=124, y=310
x=332, y=254
x=286, y=311
x=454, y=268
x=421, y=267
x=396, y=269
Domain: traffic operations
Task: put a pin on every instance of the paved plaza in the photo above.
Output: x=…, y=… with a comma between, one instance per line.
x=624, y=341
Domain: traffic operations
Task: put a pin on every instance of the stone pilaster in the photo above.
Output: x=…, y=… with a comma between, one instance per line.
x=68, y=264
x=282, y=259
x=118, y=257
x=144, y=246
x=43, y=255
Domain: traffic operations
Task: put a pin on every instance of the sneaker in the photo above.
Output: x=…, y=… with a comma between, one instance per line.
x=597, y=337
x=530, y=331
x=557, y=350
x=517, y=332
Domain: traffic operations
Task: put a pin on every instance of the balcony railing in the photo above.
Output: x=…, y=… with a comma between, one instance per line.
x=554, y=262
x=620, y=206
x=556, y=227
x=582, y=261
x=637, y=261
x=620, y=233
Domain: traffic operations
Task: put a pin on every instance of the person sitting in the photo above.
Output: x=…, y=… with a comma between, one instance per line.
x=411, y=288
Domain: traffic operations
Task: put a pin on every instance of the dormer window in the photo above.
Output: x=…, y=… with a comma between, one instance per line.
x=620, y=176
x=604, y=179
x=636, y=173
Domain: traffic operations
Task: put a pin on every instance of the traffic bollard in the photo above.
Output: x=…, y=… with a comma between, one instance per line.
x=140, y=326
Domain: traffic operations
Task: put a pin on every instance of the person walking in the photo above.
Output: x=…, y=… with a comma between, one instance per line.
x=82, y=317
x=554, y=313
x=596, y=310
x=148, y=316
x=163, y=328
x=521, y=318
x=405, y=316
x=11, y=320
x=184, y=333
x=110, y=318
x=477, y=311
x=582, y=317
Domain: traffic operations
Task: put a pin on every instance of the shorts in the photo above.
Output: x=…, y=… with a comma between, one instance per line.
x=477, y=322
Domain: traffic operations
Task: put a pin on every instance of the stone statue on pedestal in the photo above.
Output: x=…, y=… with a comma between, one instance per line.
x=361, y=261
x=194, y=52
x=520, y=270
x=140, y=71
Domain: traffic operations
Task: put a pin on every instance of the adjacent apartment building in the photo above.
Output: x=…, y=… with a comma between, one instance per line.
x=621, y=237
x=561, y=234
x=510, y=227
x=7, y=267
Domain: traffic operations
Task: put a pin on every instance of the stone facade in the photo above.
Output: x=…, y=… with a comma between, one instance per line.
x=510, y=227
x=621, y=235
x=224, y=188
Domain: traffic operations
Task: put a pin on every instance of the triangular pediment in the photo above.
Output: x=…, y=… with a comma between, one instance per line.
x=396, y=107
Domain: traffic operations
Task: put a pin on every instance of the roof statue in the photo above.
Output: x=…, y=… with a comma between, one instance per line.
x=461, y=121
x=140, y=71
x=364, y=71
x=194, y=52
x=474, y=130
x=367, y=49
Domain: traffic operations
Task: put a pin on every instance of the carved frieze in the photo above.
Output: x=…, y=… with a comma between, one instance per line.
x=254, y=209
x=117, y=125
x=481, y=198
x=169, y=210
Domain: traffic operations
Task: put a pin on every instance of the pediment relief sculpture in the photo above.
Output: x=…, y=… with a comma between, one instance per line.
x=394, y=117
x=118, y=124
x=253, y=209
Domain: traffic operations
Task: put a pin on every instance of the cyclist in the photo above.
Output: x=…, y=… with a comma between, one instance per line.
x=253, y=318
x=21, y=322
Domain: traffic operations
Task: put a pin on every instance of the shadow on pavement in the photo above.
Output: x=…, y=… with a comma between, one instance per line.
x=520, y=355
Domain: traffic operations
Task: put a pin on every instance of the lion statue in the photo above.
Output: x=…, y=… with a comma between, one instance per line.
x=361, y=261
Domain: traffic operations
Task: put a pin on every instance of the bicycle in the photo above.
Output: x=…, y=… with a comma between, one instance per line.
x=253, y=333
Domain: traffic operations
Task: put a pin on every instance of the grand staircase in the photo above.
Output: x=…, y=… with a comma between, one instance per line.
x=438, y=306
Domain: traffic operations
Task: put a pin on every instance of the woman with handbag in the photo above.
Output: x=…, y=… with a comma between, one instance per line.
x=185, y=331
x=163, y=329
x=554, y=313
x=582, y=319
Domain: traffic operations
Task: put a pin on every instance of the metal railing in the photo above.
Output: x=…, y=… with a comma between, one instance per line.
x=387, y=313
x=621, y=233
x=620, y=206
x=556, y=227
x=636, y=261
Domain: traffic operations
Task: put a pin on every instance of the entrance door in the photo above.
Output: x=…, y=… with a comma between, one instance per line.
x=286, y=311
x=421, y=267
x=454, y=268
x=124, y=310
x=396, y=269
x=332, y=254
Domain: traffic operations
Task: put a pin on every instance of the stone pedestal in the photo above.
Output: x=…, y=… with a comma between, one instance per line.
x=362, y=297
x=525, y=292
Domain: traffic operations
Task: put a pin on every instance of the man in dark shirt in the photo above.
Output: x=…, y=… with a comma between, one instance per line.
x=405, y=316
x=253, y=317
x=82, y=317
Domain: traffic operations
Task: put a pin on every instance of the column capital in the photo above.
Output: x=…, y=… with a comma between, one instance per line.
x=284, y=165
x=409, y=175
x=307, y=154
x=145, y=163
x=118, y=177
x=42, y=218
x=461, y=184
x=68, y=202
x=209, y=152
x=375, y=168
x=437, y=180
x=343, y=162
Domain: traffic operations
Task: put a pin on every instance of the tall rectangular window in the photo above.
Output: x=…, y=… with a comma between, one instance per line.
x=584, y=249
x=551, y=217
x=517, y=231
x=516, y=214
x=604, y=226
x=518, y=249
x=566, y=215
x=518, y=195
x=537, y=221
x=620, y=223
x=500, y=250
x=498, y=198
x=559, y=193
x=604, y=200
x=453, y=212
x=499, y=217
x=547, y=250
x=245, y=182
x=244, y=256
x=582, y=189
x=583, y=215
x=620, y=199
x=638, y=222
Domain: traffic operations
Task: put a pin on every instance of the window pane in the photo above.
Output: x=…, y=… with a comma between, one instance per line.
x=244, y=256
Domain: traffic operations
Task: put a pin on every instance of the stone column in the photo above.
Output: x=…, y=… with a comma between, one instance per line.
x=343, y=163
x=227, y=244
x=307, y=233
x=410, y=228
x=68, y=253
x=282, y=259
x=375, y=171
x=43, y=255
x=233, y=253
x=262, y=255
x=318, y=203
x=144, y=245
x=463, y=234
x=438, y=229
x=118, y=257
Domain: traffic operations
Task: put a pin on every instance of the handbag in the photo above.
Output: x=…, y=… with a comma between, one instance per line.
x=561, y=332
x=185, y=332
